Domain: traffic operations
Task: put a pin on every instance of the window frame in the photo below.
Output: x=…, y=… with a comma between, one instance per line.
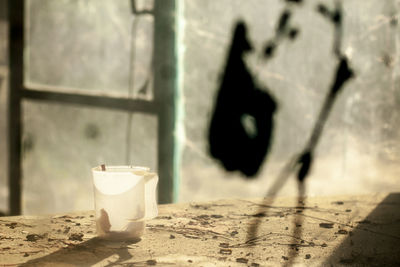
x=163, y=105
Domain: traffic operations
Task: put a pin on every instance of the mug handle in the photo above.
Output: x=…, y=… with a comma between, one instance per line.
x=150, y=189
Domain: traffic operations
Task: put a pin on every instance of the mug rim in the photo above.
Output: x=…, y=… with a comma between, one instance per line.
x=112, y=168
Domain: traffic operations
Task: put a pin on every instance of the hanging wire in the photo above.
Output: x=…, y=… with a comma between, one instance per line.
x=131, y=94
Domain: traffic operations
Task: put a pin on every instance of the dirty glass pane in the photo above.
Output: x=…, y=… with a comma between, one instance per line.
x=62, y=143
x=83, y=46
x=144, y=5
x=60, y=146
x=3, y=107
x=142, y=78
x=143, y=140
x=359, y=149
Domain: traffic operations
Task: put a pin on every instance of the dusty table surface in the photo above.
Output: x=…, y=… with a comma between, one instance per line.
x=348, y=230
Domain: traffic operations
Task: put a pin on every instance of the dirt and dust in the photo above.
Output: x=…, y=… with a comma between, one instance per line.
x=216, y=234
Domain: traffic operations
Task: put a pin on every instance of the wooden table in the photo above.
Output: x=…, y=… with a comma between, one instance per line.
x=356, y=230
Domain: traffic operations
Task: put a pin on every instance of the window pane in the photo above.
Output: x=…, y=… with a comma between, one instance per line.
x=144, y=5
x=142, y=75
x=84, y=46
x=62, y=143
x=143, y=140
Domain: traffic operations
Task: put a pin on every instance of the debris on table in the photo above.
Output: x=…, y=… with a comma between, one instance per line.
x=217, y=233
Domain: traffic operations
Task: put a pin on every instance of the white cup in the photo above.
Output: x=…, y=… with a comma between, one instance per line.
x=125, y=196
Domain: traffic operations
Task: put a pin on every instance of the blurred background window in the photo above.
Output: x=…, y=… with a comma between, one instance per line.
x=84, y=48
x=87, y=97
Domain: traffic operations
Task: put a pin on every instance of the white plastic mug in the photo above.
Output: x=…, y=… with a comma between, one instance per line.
x=125, y=196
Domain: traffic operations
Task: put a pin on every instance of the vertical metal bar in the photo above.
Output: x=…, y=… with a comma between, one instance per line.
x=165, y=80
x=16, y=45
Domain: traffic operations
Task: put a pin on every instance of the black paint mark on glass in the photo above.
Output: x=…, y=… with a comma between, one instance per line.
x=283, y=30
x=28, y=143
x=269, y=49
x=283, y=21
x=143, y=90
x=242, y=121
x=293, y=33
x=394, y=21
x=92, y=131
x=388, y=60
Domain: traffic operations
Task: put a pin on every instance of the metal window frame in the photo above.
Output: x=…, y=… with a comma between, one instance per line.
x=163, y=104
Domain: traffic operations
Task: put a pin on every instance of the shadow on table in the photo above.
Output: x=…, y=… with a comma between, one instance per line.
x=87, y=253
x=376, y=239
